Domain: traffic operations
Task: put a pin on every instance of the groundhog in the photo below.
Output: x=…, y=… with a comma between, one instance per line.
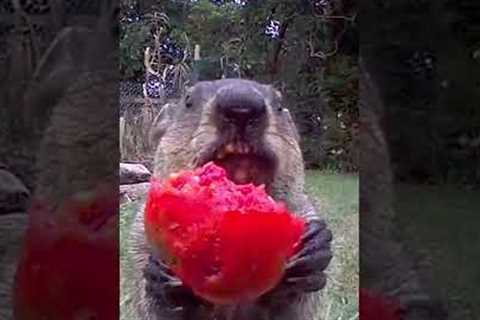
x=244, y=127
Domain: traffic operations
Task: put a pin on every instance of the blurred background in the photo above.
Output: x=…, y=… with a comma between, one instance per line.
x=425, y=58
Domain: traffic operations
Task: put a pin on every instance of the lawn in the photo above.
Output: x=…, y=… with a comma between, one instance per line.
x=127, y=213
x=440, y=225
x=338, y=197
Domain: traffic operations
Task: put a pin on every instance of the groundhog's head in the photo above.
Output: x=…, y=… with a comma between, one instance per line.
x=242, y=126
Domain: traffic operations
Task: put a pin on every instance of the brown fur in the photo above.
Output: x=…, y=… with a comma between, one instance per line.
x=183, y=134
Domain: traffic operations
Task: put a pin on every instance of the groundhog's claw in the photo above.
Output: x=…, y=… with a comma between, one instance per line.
x=166, y=287
x=314, y=227
x=306, y=270
x=315, y=254
x=314, y=282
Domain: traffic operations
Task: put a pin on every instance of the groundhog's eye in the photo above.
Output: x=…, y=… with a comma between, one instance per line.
x=279, y=108
x=282, y=110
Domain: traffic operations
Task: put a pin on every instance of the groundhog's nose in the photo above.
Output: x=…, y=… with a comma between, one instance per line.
x=240, y=104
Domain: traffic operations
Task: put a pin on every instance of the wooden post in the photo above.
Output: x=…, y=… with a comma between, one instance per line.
x=122, y=135
x=196, y=59
x=196, y=55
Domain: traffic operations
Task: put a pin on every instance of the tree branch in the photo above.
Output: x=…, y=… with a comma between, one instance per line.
x=324, y=55
x=337, y=17
x=320, y=54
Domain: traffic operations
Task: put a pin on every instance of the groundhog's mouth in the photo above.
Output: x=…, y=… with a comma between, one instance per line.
x=245, y=163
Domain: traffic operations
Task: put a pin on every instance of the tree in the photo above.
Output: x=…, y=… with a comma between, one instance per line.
x=305, y=48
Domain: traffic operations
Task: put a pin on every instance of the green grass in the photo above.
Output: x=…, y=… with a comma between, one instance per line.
x=338, y=198
x=440, y=225
x=127, y=214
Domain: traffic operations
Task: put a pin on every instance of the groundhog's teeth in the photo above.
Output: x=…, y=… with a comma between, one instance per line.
x=238, y=147
x=241, y=148
x=230, y=148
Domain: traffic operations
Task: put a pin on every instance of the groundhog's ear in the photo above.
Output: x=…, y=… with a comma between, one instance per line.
x=161, y=123
x=278, y=93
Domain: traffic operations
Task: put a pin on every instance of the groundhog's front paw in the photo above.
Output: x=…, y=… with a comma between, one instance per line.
x=306, y=270
x=167, y=290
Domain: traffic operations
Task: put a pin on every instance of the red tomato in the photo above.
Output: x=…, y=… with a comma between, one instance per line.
x=229, y=243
